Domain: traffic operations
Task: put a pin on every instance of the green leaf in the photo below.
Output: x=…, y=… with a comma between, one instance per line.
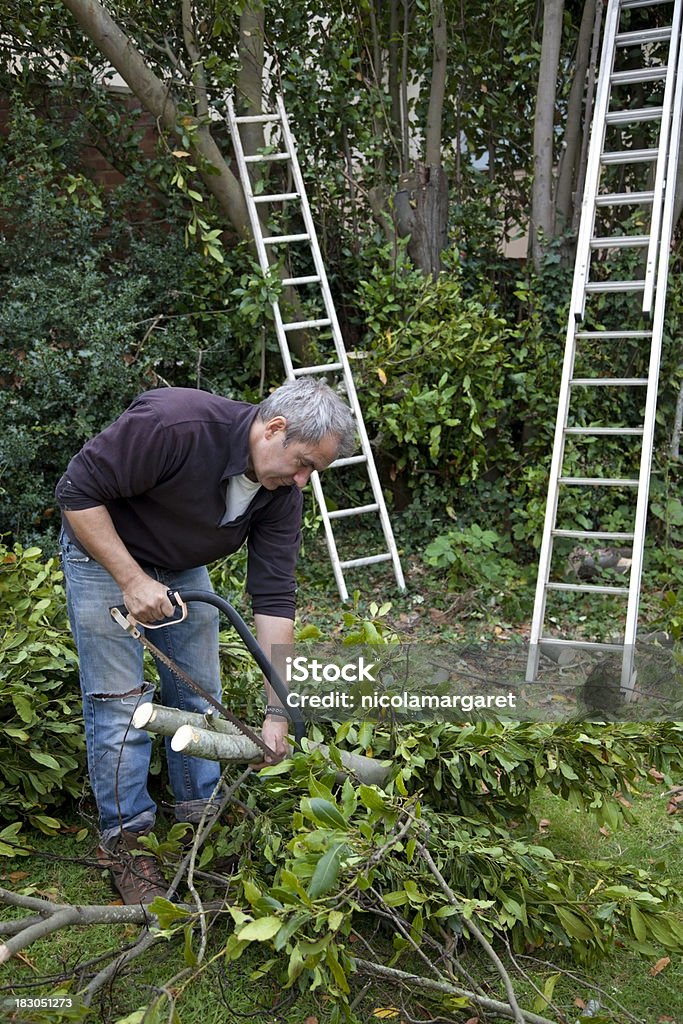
x=371, y=798
x=24, y=708
x=334, y=919
x=541, y=1002
x=166, y=911
x=324, y=812
x=326, y=871
x=261, y=930
x=136, y=1017
x=573, y=925
x=189, y=954
x=289, y=927
x=638, y=923
x=45, y=759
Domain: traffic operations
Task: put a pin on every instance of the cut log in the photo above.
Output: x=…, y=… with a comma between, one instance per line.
x=218, y=740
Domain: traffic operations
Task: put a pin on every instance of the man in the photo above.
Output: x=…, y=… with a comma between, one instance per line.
x=182, y=478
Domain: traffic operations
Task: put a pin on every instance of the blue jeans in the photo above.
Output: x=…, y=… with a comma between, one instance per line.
x=113, y=686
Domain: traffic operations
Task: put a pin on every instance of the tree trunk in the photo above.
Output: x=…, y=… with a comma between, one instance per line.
x=434, y=131
x=249, y=87
x=429, y=231
x=542, y=207
x=119, y=49
x=568, y=175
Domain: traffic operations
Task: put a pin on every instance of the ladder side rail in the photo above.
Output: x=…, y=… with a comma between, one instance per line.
x=255, y=223
x=329, y=537
x=341, y=351
x=246, y=187
x=602, y=95
x=652, y=388
x=662, y=160
x=547, y=540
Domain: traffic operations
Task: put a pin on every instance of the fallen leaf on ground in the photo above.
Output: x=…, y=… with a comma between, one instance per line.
x=660, y=965
x=604, y=831
x=580, y=1003
x=675, y=804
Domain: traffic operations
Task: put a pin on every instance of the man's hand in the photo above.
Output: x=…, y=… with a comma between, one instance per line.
x=147, y=599
x=274, y=735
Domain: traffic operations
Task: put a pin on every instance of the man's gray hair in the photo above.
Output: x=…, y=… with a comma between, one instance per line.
x=313, y=411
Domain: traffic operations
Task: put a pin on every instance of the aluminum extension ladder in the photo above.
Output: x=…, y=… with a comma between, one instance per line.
x=340, y=361
x=629, y=57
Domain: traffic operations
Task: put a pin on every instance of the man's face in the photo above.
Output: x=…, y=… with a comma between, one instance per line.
x=280, y=463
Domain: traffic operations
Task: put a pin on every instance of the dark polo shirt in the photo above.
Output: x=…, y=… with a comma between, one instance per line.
x=161, y=469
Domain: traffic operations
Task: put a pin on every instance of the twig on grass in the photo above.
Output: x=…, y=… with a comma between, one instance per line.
x=430, y=984
x=475, y=932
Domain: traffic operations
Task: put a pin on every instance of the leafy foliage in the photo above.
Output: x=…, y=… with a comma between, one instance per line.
x=438, y=372
x=317, y=856
x=95, y=311
x=42, y=747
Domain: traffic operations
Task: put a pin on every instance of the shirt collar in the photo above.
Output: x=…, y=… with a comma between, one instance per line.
x=238, y=460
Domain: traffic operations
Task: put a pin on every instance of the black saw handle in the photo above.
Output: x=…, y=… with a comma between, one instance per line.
x=180, y=599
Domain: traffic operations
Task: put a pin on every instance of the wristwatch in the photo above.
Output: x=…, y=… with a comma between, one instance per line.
x=276, y=711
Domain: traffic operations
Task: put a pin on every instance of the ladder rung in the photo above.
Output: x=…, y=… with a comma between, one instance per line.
x=615, y=286
x=256, y=118
x=588, y=645
x=275, y=197
x=592, y=535
x=626, y=4
x=368, y=560
x=304, y=371
x=598, y=481
x=638, y=114
x=351, y=460
x=293, y=282
x=587, y=588
x=636, y=75
x=624, y=198
x=606, y=335
x=629, y=156
x=274, y=239
x=262, y=158
x=619, y=241
x=646, y=35
x=342, y=513
x=616, y=382
x=604, y=430
x=305, y=325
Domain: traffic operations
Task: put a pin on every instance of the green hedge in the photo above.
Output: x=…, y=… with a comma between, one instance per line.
x=42, y=749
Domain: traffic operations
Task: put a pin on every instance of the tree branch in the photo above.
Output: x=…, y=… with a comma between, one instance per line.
x=475, y=932
x=429, y=984
x=157, y=97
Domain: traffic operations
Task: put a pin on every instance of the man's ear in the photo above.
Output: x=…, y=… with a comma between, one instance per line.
x=274, y=427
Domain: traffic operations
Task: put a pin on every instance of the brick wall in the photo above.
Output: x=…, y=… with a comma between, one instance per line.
x=94, y=161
